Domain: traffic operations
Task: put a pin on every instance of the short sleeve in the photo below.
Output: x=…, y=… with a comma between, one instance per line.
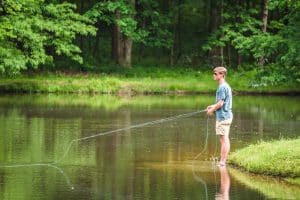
x=221, y=94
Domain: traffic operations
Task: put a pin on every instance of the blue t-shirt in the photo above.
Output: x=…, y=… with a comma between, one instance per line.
x=224, y=93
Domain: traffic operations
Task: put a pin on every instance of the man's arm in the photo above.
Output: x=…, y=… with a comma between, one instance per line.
x=212, y=108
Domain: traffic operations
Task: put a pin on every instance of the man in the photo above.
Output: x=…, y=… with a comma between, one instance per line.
x=223, y=111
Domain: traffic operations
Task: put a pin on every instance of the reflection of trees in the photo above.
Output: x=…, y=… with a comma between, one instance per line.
x=109, y=164
x=264, y=117
x=45, y=104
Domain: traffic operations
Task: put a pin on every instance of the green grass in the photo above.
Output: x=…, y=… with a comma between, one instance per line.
x=138, y=80
x=276, y=158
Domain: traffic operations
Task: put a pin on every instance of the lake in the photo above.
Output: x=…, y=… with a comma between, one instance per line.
x=61, y=147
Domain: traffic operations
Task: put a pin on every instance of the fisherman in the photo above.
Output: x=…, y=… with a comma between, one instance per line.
x=223, y=111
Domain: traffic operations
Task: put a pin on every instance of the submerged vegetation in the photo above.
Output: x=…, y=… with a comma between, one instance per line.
x=276, y=158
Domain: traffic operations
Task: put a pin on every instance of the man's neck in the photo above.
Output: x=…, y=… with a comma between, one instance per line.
x=222, y=80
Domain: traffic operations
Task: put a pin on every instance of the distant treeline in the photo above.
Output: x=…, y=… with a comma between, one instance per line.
x=85, y=35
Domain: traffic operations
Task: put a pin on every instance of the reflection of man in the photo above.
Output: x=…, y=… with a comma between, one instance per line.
x=225, y=185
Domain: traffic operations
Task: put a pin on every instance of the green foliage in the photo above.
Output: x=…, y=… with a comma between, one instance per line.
x=120, y=13
x=275, y=74
x=279, y=46
x=155, y=24
x=30, y=30
x=240, y=29
x=131, y=22
x=34, y=33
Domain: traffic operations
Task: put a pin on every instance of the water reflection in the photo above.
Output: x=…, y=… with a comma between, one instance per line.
x=47, y=165
x=223, y=194
x=152, y=162
x=270, y=187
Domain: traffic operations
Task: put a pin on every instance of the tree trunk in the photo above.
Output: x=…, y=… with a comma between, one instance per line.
x=221, y=22
x=121, y=44
x=81, y=40
x=264, y=25
x=97, y=42
x=173, y=48
x=114, y=42
x=179, y=19
x=239, y=61
x=207, y=15
x=214, y=22
x=264, y=15
x=229, y=54
x=120, y=47
x=127, y=44
x=127, y=52
x=172, y=56
x=142, y=46
x=175, y=52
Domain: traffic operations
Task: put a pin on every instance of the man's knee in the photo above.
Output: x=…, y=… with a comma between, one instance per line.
x=224, y=139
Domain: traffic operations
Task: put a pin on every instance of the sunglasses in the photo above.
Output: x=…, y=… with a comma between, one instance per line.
x=215, y=73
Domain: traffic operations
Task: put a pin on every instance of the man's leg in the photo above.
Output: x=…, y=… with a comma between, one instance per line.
x=225, y=148
x=225, y=183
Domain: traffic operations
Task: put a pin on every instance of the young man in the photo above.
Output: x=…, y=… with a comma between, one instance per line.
x=223, y=111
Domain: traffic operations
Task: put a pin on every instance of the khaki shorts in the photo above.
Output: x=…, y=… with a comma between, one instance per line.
x=223, y=127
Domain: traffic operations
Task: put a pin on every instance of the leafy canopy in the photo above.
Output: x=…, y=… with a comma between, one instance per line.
x=31, y=29
x=279, y=46
x=146, y=25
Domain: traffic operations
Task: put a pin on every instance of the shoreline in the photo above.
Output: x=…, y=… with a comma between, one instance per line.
x=116, y=85
x=278, y=158
x=146, y=93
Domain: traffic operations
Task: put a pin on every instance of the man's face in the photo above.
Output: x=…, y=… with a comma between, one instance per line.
x=218, y=76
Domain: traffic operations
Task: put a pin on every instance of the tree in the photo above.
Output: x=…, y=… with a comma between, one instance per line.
x=120, y=16
x=144, y=25
x=29, y=28
x=265, y=12
x=123, y=42
x=246, y=32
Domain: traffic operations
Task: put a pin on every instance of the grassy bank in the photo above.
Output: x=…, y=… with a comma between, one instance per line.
x=138, y=81
x=276, y=158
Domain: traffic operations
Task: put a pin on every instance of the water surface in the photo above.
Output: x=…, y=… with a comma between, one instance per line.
x=171, y=160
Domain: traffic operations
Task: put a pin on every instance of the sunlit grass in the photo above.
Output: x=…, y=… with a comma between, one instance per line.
x=278, y=158
x=137, y=80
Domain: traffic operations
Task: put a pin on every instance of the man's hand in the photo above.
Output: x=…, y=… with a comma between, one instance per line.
x=210, y=110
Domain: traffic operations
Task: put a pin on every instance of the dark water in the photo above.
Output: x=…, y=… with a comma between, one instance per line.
x=171, y=160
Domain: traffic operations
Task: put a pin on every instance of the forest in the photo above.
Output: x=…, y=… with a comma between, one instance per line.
x=108, y=35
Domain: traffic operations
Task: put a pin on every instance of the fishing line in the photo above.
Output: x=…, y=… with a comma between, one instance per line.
x=127, y=128
x=197, y=177
x=53, y=164
x=43, y=165
x=214, y=160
